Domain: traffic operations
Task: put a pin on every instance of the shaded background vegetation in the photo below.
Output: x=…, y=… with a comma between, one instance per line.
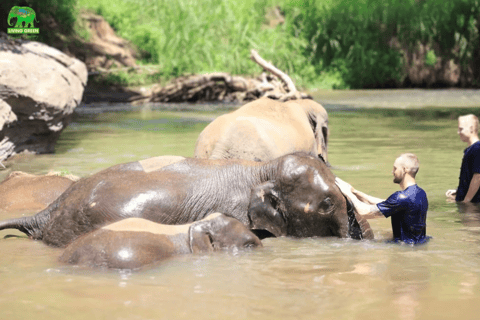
x=330, y=43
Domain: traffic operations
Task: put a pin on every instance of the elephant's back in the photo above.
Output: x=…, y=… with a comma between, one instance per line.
x=261, y=138
x=121, y=249
x=89, y=204
x=157, y=163
x=263, y=129
x=21, y=191
x=284, y=120
x=310, y=106
x=272, y=110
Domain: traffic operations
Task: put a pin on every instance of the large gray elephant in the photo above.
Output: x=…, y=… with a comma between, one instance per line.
x=134, y=243
x=265, y=129
x=293, y=195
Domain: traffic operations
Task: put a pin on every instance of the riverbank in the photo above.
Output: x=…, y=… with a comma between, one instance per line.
x=331, y=44
x=428, y=100
x=400, y=98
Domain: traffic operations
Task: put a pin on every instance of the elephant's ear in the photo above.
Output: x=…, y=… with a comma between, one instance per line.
x=321, y=137
x=264, y=210
x=319, y=122
x=199, y=238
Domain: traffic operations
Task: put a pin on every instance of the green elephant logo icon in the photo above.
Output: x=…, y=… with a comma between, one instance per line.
x=24, y=15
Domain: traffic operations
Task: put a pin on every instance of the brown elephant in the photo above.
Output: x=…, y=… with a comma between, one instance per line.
x=265, y=129
x=134, y=243
x=21, y=191
x=293, y=195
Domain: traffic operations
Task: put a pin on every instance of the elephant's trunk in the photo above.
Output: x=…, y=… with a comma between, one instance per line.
x=32, y=226
x=358, y=226
x=10, y=16
x=27, y=225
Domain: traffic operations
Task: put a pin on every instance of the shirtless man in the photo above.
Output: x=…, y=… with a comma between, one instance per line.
x=468, y=189
x=407, y=208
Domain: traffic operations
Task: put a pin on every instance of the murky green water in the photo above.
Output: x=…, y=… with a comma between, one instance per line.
x=288, y=278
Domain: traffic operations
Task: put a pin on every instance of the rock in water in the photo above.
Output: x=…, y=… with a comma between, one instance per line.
x=40, y=87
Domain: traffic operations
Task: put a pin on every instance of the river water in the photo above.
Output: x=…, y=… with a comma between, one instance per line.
x=316, y=278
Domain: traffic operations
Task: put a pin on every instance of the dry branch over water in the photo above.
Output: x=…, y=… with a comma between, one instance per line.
x=224, y=87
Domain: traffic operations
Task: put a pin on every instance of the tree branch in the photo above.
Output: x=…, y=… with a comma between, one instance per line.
x=271, y=68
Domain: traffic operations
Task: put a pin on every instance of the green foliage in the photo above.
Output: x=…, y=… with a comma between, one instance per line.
x=357, y=38
x=187, y=36
x=130, y=77
x=430, y=58
x=323, y=43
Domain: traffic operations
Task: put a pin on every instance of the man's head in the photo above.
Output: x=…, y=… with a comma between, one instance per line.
x=405, y=164
x=467, y=127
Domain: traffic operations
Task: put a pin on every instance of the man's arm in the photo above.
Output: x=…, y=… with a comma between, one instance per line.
x=366, y=198
x=345, y=186
x=368, y=211
x=473, y=187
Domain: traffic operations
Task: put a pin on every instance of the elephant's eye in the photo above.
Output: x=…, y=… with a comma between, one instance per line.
x=274, y=200
x=327, y=203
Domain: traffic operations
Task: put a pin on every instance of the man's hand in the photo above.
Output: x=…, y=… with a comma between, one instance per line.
x=450, y=194
x=368, y=211
x=344, y=186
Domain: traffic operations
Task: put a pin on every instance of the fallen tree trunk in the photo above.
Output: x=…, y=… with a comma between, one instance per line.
x=225, y=87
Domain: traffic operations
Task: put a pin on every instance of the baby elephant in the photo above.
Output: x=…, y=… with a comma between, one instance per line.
x=133, y=243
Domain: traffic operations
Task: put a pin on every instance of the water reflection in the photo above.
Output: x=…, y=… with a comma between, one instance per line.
x=406, y=302
x=469, y=213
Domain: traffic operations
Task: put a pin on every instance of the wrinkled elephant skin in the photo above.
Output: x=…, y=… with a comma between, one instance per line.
x=294, y=195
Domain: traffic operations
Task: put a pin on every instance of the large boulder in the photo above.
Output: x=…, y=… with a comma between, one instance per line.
x=40, y=87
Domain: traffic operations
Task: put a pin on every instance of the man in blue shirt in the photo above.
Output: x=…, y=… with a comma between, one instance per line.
x=407, y=208
x=468, y=189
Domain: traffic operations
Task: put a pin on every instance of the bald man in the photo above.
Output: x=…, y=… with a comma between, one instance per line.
x=407, y=208
x=468, y=189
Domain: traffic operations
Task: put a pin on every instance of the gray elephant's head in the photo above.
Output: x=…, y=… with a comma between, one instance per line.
x=304, y=201
x=318, y=118
x=220, y=233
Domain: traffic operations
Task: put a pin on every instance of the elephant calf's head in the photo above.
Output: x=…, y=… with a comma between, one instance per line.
x=221, y=233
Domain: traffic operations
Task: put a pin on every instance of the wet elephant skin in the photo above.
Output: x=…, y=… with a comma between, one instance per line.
x=294, y=195
x=134, y=243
